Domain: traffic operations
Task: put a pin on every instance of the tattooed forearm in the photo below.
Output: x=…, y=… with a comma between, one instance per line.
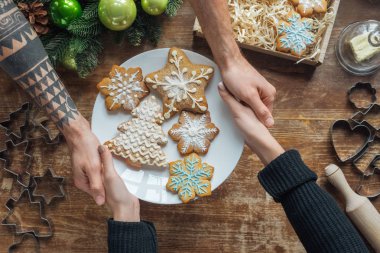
x=23, y=57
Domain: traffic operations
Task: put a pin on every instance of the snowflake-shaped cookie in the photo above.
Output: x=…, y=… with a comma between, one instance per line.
x=181, y=84
x=307, y=7
x=190, y=177
x=140, y=139
x=194, y=132
x=124, y=88
x=295, y=34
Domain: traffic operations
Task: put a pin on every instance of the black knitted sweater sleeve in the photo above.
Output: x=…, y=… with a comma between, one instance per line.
x=131, y=237
x=315, y=216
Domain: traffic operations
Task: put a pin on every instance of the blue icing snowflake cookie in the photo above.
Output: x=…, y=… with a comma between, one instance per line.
x=190, y=177
x=295, y=34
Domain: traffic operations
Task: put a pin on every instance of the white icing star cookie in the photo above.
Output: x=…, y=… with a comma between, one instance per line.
x=181, y=84
x=124, y=88
x=141, y=137
x=194, y=133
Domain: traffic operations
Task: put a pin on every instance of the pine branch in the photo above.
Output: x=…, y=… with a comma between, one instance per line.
x=56, y=45
x=173, y=7
x=88, y=60
x=87, y=25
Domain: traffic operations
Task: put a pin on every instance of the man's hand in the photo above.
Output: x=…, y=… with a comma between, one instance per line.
x=85, y=159
x=125, y=206
x=247, y=85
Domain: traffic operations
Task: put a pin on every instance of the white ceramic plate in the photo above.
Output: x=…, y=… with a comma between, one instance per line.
x=149, y=183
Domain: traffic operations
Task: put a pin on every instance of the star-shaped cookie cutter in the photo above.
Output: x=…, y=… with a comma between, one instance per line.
x=15, y=245
x=4, y=156
x=39, y=121
x=49, y=175
x=11, y=203
x=7, y=124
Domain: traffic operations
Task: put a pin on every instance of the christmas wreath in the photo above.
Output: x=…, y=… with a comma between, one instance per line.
x=71, y=30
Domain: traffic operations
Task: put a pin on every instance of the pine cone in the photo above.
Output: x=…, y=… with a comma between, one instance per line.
x=37, y=15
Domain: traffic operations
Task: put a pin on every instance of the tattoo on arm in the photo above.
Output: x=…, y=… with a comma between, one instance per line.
x=23, y=57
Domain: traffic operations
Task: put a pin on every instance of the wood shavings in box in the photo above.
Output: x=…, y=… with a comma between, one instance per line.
x=254, y=22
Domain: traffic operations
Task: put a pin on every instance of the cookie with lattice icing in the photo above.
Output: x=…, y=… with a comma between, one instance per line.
x=295, y=34
x=193, y=132
x=190, y=177
x=141, y=139
x=308, y=7
x=181, y=84
x=123, y=88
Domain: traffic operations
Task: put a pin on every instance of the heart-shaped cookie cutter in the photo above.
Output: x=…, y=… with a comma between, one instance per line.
x=352, y=126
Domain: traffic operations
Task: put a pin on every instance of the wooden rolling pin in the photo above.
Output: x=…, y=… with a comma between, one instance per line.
x=361, y=211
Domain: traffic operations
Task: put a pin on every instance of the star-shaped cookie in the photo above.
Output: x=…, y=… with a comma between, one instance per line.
x=123, y=88
x=181, y=84
x=194, y=133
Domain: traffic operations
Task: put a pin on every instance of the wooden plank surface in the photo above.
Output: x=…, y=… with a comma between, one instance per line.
x=239, y=216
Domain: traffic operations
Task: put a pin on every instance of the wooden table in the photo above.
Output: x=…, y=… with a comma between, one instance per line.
x=239, y=216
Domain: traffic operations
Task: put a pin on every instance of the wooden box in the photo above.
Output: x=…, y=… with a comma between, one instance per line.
x=315, y=62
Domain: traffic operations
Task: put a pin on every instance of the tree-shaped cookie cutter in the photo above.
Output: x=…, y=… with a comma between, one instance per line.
x=15, y=245
x=49, y=175
x=11, y=203
x=14, y=136
x=4, y=156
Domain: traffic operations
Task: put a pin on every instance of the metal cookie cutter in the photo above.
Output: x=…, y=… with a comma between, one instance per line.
x=28, y=158
x=362, y=117
x=360, y=87
x=353, y=127
x=367, y=161
x=40, y=122
x=49, y=176
x=17, y=135
x=11, y=203
x=24, y=237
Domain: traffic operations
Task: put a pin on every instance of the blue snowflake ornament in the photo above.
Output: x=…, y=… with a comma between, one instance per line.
x=190, y=177
x=295, y=34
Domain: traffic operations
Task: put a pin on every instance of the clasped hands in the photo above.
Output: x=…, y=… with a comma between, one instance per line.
x=249, y=97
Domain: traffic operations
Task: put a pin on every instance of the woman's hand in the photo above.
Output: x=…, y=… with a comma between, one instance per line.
x=256, y=135
x=125, y=206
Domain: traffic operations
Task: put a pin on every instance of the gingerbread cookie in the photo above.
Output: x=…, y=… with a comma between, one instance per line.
x=295, y=34
x=190, y=177
x=123, y=88
x=181, y=84
x=307, y=7
x=194, y=133
x=141, y=137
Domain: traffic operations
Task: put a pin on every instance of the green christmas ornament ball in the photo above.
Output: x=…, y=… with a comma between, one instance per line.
x=154, y=7
x=117, y=15
x=62, y=12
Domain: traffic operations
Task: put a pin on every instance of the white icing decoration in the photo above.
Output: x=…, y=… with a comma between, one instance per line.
x=141, y=137
x=124, y=88
x=311, y=3
x=177, y=84
x=194, y=132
